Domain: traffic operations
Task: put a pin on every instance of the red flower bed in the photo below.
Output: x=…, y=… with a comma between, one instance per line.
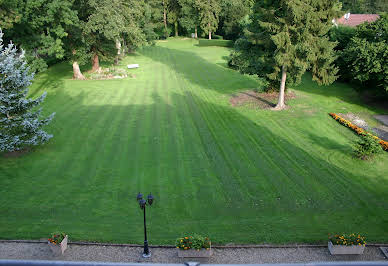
x=358, y=130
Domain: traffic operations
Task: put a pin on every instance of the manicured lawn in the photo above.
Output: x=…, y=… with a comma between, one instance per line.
x=238, y=174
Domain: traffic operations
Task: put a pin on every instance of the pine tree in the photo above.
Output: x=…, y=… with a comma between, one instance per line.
x=209, y=12
x=291, y=38
x=20, y=125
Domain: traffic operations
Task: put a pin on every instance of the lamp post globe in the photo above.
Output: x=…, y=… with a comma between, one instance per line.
x=150, y=199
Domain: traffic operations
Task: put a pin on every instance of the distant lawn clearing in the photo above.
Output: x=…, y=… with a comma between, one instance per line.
x=235, y=173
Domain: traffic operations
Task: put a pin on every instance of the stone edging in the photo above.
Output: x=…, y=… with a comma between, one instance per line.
x=170, y=246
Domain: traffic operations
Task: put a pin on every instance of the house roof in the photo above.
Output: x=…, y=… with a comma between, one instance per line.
x=356, y=19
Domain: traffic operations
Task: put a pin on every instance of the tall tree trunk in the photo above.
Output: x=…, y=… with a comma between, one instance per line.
x=118, y=47
x=196, y=33
x=96, y=63
x=210, y=32
x=176, y=29
x=124, y=47
x=281, y=104
x=165, y=18
x=77, y=72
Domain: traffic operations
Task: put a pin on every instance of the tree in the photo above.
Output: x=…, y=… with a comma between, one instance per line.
x=9, y=13
x=189, y=19
x=365, y=6
x=106, y=22
x=290, y=38
x=40, y=27
x=174, y=12
x=20, y=125
x=209, y=11
x=158, y=13
x=231, y=16
x=366, y=55
x=104, y=25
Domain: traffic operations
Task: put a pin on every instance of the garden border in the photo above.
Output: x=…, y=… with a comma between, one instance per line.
x=358, y=130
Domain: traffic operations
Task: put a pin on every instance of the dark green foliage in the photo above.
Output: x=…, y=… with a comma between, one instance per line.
x=189, y=19
x=365, y=57
x=223, y=43
x=41, y=28
x=342, y=35
x=365, y=6
x=209, y=12
x=248, y=58
x=9, y=13
x=232, y=15
x=289, y=34
x=366, y=147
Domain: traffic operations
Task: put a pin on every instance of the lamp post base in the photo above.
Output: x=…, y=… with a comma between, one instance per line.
x=145, y=255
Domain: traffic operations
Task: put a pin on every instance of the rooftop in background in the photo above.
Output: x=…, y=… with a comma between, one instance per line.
x=352, y=20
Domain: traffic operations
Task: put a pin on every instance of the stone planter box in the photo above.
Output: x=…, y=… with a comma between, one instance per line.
x=193, y=253
x=59, y=249
x=345, y=250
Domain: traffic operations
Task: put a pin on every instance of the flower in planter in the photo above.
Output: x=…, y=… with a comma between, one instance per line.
x=56, y=238
x=193, y=242
x=348, y=239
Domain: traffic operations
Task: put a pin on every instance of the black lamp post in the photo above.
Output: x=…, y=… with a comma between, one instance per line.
x=143, y=204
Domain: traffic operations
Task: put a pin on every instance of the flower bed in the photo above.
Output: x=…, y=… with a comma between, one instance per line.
x=346, y=244
x=358, y=130
x=194, y=247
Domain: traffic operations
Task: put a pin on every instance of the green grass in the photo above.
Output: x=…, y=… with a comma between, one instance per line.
x=238, y=174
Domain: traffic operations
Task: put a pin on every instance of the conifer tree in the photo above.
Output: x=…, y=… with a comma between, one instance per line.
x=20, y=125
x=290, y=38
x=209, y=11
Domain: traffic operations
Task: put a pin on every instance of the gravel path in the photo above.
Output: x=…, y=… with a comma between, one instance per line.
x=41, y=251
x=382, y=118
x=382, y=131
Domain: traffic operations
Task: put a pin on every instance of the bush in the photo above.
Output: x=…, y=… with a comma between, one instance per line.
x=366, y=147
x=223, y=43
x=363, y=54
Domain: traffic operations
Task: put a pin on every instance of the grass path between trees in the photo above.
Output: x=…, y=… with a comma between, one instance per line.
x=237, y=174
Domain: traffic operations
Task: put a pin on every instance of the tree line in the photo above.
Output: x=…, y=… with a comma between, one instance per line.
x=92, y=30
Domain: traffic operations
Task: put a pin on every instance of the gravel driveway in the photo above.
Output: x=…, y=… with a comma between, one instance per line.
x=75, y=252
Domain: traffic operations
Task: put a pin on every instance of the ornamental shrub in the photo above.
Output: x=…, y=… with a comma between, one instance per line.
x=20, y=125
x=367, y=146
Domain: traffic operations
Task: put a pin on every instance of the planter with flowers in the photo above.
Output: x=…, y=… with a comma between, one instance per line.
x=58, y=243
x=353, y=244
x=195, y=246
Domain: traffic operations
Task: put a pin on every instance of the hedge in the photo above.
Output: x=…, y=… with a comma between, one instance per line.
x=217, y=37
x=358, y=130
x=223, y=43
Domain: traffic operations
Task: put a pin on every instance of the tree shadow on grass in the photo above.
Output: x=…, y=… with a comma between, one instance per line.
x=50, y=79
x=199, y=71
x=339, y=91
